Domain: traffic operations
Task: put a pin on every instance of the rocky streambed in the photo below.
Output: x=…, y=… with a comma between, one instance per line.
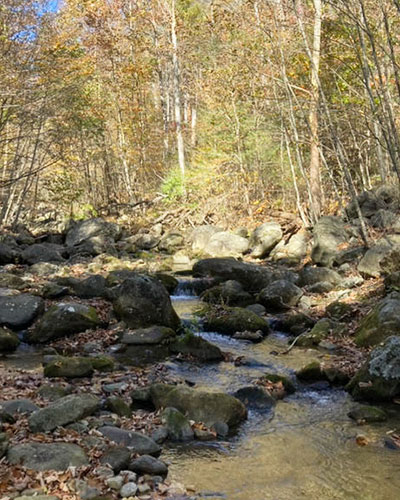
x=269, y=380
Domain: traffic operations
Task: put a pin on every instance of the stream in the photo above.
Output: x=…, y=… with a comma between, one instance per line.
x=305, y=449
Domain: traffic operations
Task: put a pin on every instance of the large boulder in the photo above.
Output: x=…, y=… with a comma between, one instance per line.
x=9, y=341
x=47, y=456
x=380, y=323
x=142, y=301
x=264, y=238
x=379, y=378
x=280, y=295
x=92, y=236
x=250, y=276
x=64, y=319
x=64, y=411
x=201, y=236
x=226, y=244
x=229, y=320
x=201, y=406
x=84, y=230
x=329, y=235
x=43, y=252
x=381, y=257
x=294, y=251
x=19, y=311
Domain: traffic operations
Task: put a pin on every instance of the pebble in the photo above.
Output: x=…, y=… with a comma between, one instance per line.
x=128, y=490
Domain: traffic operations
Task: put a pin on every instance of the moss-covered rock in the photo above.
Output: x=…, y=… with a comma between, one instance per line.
x=177, y=424
x=380, y=323
x=196, y=346
x=379, y=378
x=64, y=319
x=312, y=372
x=229, y=320
x=368, y=414
x=230, y=293
x=69, y=367
x=201, y=406
x=103, y=363
x=142, y=301
x=118, y=406
x=9, y=341
x=338, y=310
x=169, y=281
x=319, y=332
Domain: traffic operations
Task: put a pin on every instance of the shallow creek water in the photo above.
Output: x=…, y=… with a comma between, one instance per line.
x=305, y=449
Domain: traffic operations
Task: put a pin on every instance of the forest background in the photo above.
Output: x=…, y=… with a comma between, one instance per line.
x=218, y=107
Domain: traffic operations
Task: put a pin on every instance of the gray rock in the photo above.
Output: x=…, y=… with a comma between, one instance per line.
x=229, y=320
x=139, y=443
x=142, y=301
x=117, y=457
x=201, y=406
x=313, y=275
x=145, y=241
x=279, y=295
x=8, y=280
x=252, y=277
x=149, y=465
x=44, y=269
x=171, y=242
x=37, y=497
x=151, y=335
x=64, y=411
x=379, y=378
x=230, y=293
x=64, y=319
x=224, y=244
x=264, y=238
x=118, y=406
x=9, y=341
x=196, y=346
x=370, y=264
x=9, y=254
x=368, y=414
x=43, y=252
x=87, y=230
x=14, y=407
x=255, y=398
x=177, y=424
x=380, y=323
x=3, y=443
x=19, y=311
x=128, y=490
x=93, y=286
x=47, y=456
x=384, y=197
x=329, y=234
x=294, y=251
x=201, y=236
x=74, y=367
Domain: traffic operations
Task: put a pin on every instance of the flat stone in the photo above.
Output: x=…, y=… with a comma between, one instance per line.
x=139, y=443
x=149, y=465
x=47, y=456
